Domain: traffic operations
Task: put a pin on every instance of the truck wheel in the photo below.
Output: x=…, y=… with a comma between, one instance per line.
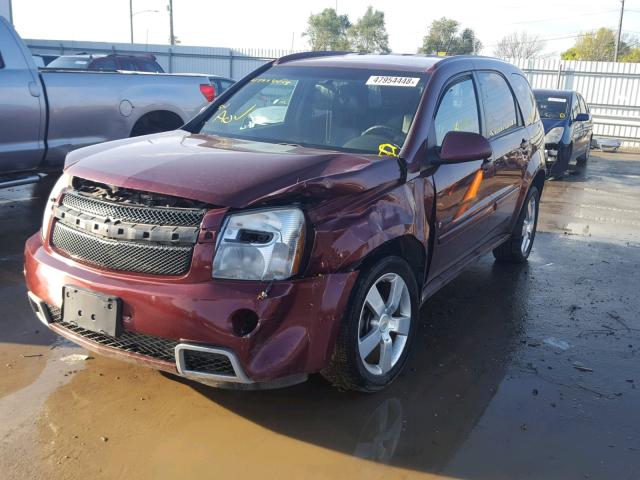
x=377, y=332
x=518, y=247
x=584, y=158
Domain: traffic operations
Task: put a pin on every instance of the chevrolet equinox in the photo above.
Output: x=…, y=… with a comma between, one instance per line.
x=297, y=224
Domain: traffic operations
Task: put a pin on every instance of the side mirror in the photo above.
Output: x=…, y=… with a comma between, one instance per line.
x=458, y=147
x=583, y=117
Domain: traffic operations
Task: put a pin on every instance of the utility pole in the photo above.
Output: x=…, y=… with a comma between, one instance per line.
x=131, y=18
x=172, y=39
x=617, y=50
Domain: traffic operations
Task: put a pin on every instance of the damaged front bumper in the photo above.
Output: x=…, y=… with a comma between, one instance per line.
x=191, y=329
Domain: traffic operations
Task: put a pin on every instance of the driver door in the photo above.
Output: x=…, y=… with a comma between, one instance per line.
x=463, y=193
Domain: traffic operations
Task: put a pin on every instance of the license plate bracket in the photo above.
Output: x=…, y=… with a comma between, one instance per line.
x=91, y=310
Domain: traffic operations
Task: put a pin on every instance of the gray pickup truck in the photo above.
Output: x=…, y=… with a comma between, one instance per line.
x=44, y=113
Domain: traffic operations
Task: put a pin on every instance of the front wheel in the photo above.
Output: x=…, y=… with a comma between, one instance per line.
x=584, y=158
x=378, y=329
x=518, y=247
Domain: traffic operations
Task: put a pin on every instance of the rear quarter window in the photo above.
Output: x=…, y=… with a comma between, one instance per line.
x=499, y=104
x=525, y=98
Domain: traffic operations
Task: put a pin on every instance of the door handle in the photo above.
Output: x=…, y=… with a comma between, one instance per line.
x=34, y=90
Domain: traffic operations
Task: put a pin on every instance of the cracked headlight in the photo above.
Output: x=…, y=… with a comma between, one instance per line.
x=554, y=135
x=260, y=245
x=63, y=182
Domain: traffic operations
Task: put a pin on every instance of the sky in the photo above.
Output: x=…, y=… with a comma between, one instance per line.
x=279, y=24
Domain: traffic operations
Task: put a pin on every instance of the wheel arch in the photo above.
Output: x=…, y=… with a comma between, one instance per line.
x=407, y=247
x=163, y=118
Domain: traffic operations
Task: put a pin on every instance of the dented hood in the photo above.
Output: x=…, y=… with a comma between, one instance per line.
x=228, y=172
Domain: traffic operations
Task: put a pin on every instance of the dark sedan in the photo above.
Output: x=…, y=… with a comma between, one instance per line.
x=568, y=128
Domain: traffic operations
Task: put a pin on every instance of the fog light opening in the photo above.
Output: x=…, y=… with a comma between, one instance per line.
x=244, y=322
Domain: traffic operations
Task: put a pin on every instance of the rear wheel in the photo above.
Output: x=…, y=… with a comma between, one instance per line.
x=518, y=247
x=379, y=327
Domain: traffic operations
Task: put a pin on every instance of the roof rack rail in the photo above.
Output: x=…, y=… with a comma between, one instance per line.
x=301, y=55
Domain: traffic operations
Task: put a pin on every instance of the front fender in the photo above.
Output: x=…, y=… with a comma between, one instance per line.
x=350, y=228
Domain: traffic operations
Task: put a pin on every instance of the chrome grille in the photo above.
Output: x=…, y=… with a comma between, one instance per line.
x=126, y=256
x=208, y=362
x=183, y=217
x=133, y=342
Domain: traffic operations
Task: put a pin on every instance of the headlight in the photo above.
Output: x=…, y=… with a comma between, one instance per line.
x=63, y=182
x=554, y=135
x=260, y=245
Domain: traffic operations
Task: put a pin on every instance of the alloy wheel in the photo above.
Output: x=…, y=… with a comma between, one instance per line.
x=529, y=225
x=384, y=324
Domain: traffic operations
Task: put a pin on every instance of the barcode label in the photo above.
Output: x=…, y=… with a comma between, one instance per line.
x=393, y=81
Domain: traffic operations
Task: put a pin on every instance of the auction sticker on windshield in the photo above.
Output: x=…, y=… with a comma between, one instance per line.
x=393, y=81
x=555, y=99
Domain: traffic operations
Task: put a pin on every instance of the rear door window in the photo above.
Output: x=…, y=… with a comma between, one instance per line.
x=106, y=63
x=145, y=65
x=128, y=64
x=458, y=110
x=499, y=104
x=525, y=97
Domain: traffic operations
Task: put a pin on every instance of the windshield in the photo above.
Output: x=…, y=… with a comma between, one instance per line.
x=366, y=111
x=552, y=107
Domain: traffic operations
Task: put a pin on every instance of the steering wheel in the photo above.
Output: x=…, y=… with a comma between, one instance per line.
x=381, y=129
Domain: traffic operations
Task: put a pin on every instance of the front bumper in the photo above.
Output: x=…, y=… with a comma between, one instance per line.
x=557, y=158
x=295, y=333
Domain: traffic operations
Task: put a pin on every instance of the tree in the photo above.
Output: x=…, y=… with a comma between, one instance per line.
x=632, y=57
x=443, y=36
x=597, y=46
x=519, y=45
x=328, y=31
x=469, y=43
x=369, y=33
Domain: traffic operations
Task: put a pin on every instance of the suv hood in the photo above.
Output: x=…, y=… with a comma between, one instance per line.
x=228, y=172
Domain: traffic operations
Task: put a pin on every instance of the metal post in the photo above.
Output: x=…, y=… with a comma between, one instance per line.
x=172, y=38
x=617, y=50
x=131, y=18
x=170, y=60
x=230, y=63
x=559, y=80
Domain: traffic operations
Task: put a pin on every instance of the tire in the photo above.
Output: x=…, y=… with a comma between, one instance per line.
x=582, y=160
x=387, y=339
x=518, y=247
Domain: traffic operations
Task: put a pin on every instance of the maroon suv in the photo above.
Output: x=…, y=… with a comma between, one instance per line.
x=297, y=224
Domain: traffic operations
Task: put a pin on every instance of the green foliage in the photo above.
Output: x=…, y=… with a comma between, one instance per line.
x=369, y=34
x=597, y=46
x=632, y=57
x=443, y=36
x=328, y=31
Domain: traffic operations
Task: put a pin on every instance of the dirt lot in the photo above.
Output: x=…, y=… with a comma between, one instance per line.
x=522, y=372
